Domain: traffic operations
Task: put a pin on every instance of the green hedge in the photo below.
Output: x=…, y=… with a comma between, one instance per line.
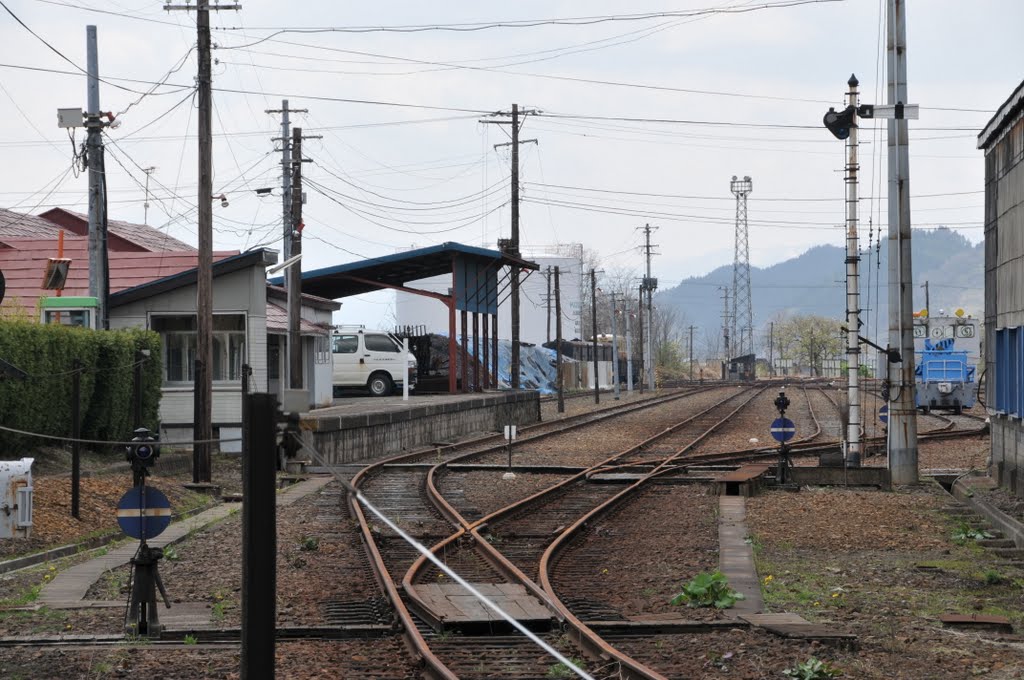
x=42, y=403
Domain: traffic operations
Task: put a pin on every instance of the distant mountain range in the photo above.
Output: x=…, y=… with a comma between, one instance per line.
x=814, y=283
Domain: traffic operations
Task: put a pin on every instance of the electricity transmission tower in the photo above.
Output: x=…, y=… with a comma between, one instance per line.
x=743, y=313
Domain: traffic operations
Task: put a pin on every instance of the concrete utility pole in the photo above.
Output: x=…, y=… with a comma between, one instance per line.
x=593, y=319
x=640, y=336
x=295, y=372
x=99, y=271
x=558, y=348
x=853, y=444
x=286, y=175
x=629, y=347
x=725, y=321
x=771, y=349
x=202, y=430
x=650, y=284
x=145, y=205
x=927, y=301
x=615, y=347
x=742, y=309
x=902, y=414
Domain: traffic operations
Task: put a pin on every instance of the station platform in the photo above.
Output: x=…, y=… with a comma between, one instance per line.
x=365, y=428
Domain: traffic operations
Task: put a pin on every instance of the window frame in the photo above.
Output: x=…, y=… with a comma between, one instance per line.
x=229, y=349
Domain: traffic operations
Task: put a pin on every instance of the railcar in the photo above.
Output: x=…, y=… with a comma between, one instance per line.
x=945, y=377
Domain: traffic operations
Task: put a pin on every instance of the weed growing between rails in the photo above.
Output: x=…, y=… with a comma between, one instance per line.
x=708, y=590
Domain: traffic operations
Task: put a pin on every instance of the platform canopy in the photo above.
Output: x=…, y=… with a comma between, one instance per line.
x=474, y=272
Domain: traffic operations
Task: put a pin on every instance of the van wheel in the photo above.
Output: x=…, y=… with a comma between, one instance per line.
x=379, y=385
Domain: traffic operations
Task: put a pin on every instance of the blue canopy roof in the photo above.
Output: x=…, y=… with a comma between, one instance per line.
x=354, y=278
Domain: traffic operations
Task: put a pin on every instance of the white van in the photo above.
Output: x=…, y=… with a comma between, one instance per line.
x=370, y=359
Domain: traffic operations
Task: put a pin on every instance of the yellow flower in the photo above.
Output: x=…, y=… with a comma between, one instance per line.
x=768, y=579
x=835, y=595
x=604, y=571
x=817, y=604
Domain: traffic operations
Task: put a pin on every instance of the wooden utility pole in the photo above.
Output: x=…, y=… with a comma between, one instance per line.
x=558, y=347
x=514, y=239
x=202, y=428
x=691, y=352
x=294, y=277
x=548, y=300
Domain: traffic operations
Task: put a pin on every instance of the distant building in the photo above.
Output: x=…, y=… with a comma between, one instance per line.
x=535, y=309
x=1002, y=140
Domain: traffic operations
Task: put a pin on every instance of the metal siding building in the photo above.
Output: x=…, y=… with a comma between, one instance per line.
x=1002, y=140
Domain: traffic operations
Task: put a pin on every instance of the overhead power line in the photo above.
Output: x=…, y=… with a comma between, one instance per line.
x=534, y=23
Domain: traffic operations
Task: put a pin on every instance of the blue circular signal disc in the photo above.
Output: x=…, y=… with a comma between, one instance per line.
x=143, y=512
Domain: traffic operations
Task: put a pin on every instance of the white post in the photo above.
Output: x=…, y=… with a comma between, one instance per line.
x=629, y=352
x=405, y=360
x=853, y=449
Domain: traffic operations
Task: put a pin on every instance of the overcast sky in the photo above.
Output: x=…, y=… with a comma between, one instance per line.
x=414, y=166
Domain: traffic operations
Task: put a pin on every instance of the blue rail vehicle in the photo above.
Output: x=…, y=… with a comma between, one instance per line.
x=945, y=378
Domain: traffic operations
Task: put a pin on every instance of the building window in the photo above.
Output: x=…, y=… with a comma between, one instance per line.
x=178, y=333
x=322, y=349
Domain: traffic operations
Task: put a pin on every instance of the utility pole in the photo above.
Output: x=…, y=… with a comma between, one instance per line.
x=640, y=336
x=629, y=347
x=927, y=301
x=593, y=320
x=853, y=445
x=903, y=462
x=771, y=349
x=145, y=206
x=615, y=347
x=202, y=431
x=99, y=272
x=549, y=304
x=295, y=372
x=650, y=284
x=742, y=309
x=514, y=240
x=286, y=174
x=725, y=320
x=558, y=348
x=691, y=352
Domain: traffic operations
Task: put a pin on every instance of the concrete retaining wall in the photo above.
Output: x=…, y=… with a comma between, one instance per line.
x=348, y=438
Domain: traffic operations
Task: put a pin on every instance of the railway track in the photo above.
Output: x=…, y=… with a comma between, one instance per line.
x=395, y=484
x=506, y=546
x=517, y=544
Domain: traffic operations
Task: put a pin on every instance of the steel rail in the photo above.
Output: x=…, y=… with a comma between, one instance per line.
x=584, y=631
x=595, y=646
x=414, y=640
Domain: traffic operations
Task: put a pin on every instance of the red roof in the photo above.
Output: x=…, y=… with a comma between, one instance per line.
x=15, y=224
x=135, y=236
x=23, y=262
x=277, y=322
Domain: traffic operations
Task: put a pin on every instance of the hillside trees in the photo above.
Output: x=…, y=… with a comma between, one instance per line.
x=807, y=339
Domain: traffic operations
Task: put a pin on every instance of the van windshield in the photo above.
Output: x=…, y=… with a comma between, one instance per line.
x=380, y=343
